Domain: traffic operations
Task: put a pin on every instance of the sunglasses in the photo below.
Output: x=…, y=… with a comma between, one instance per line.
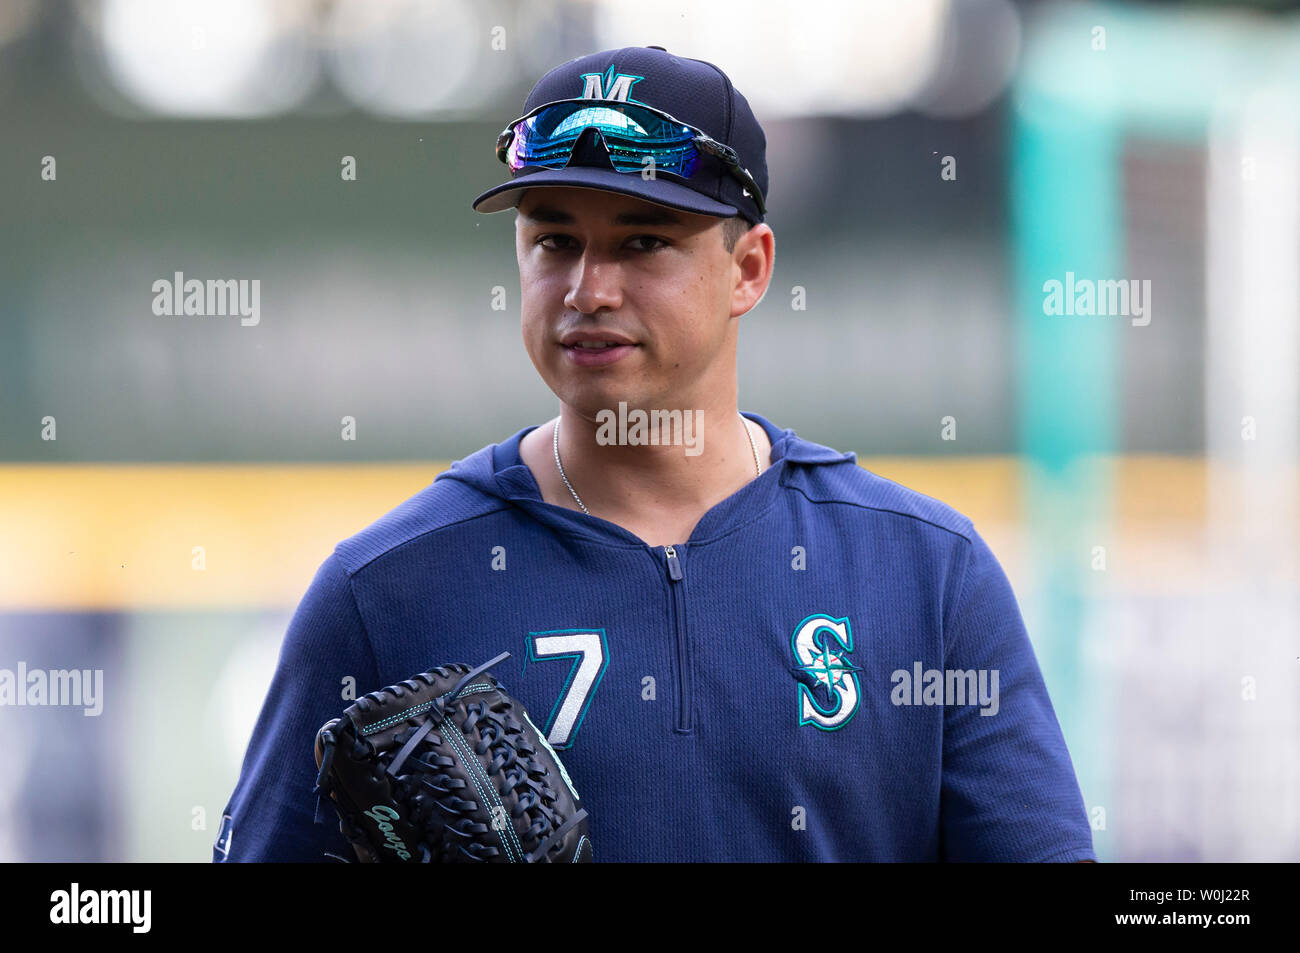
x=630, y=132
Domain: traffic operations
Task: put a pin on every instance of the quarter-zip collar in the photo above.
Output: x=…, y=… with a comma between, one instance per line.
x=498, y=470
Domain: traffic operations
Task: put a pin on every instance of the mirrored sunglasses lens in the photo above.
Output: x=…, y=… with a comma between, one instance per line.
x=631, y=134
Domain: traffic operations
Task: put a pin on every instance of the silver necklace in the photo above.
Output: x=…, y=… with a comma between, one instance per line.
x=555, y=445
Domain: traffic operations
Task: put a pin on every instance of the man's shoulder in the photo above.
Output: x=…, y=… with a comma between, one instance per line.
x=848, y=482
x=446, y=502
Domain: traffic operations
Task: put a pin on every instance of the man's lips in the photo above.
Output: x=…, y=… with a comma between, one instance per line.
x=594, y=336
x=598, y=356
x=596, y=347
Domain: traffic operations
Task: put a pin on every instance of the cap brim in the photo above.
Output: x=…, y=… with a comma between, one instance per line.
x=660, y=191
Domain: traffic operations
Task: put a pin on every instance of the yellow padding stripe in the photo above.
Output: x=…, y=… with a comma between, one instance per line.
x=124, y=537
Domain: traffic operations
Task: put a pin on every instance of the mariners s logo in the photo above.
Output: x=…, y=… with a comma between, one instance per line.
x=821, y=644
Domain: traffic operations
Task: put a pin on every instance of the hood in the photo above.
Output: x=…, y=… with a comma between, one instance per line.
x=498, y=471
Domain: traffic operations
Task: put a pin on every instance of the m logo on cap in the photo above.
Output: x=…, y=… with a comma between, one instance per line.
x=617, y=87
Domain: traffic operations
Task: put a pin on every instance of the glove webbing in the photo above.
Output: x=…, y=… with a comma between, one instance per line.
x=441, y=707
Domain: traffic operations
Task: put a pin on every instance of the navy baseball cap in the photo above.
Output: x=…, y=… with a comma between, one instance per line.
x=693, y=91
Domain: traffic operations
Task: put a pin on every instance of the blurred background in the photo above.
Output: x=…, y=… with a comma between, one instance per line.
x=169, y=483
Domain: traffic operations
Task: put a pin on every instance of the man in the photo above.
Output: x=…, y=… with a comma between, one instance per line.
x=746, y=646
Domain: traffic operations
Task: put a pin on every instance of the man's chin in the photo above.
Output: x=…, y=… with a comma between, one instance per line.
x=589, y=403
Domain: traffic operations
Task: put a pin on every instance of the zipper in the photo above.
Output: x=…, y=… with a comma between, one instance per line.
x=677, y=599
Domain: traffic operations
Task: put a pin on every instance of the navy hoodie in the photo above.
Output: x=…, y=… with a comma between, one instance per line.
x=831, y=668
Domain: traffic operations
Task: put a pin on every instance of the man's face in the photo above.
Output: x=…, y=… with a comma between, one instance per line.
x=594, y=264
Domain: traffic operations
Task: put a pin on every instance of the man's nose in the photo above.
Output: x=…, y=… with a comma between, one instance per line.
x=596, y=284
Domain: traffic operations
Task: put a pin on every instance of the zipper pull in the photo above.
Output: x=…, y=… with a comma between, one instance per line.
x=674, y=567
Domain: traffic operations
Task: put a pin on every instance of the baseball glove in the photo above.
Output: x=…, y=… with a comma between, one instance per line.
x=446, y=767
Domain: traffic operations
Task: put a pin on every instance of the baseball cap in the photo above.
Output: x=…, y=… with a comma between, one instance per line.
x=692, y=91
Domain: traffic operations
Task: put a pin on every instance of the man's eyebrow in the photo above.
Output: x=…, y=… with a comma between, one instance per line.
x=551, y=215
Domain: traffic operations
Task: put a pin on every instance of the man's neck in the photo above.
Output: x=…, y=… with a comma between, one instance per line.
x=658, y=492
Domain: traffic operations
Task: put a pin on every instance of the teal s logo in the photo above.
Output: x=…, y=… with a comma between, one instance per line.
x=821, y=644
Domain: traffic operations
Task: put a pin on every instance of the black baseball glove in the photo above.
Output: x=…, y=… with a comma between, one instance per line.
x=445, y=767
